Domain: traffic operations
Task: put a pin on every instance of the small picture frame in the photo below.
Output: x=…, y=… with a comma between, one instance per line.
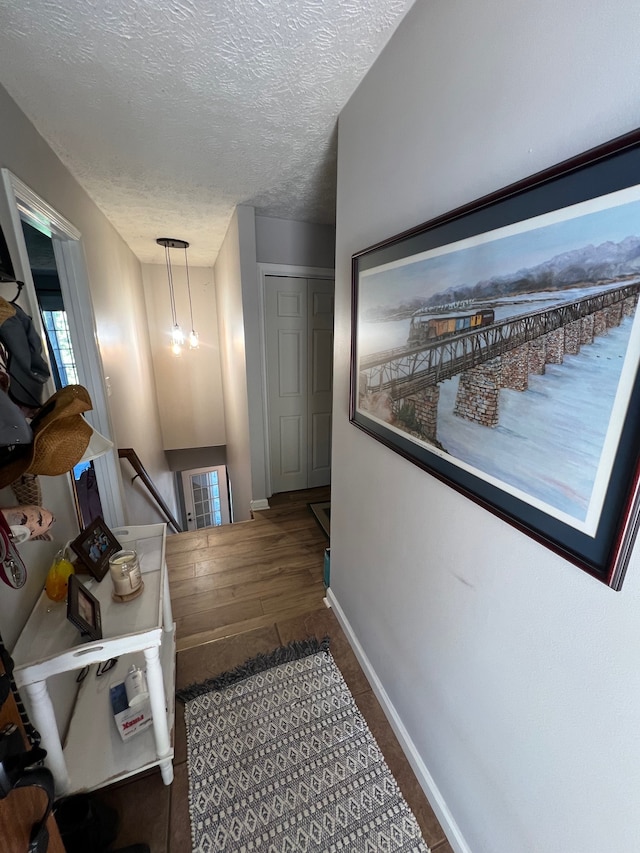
x=83, y=610
x=94, y=546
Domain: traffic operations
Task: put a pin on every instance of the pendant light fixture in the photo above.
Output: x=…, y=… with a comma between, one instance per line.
x=177, y=335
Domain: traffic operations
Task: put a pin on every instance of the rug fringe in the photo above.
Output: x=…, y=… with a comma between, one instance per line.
x=283, y=654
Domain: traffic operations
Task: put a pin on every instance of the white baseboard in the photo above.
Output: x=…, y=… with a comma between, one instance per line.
x=450, y=827
x=263, y=503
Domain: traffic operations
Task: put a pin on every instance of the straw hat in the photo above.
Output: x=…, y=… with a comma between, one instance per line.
x=60, y=437
x=6, y=310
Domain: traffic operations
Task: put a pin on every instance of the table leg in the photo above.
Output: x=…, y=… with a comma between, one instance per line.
x=159, y=711
x=167, y=615
x=44, y=720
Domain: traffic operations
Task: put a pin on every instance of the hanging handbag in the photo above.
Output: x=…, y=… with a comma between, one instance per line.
x=12, y=570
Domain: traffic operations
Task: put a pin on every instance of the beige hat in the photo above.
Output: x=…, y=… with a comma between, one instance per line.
x=60, y=437
x=6, y=310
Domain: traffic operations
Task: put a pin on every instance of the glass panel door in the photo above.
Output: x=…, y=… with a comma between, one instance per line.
x=206, y=497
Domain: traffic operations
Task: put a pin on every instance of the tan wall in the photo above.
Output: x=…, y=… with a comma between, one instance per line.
x=116, y=289
x=188, y=387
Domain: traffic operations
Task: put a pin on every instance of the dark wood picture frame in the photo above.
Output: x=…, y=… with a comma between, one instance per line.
x=83, y=610
x=95, y=544
x=472, y=297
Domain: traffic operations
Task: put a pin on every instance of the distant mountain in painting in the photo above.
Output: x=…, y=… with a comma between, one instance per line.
x=588, y=265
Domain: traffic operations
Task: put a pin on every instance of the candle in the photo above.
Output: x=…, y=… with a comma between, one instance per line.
x=124, y=569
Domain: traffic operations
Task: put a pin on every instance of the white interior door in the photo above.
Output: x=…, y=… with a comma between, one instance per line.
x=206, y=497
x=286, y=341
x=299, y=346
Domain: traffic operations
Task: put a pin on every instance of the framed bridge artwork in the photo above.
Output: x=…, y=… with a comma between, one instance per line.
x=497, y=347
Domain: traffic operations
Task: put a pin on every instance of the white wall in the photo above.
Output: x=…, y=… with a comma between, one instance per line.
x=285, y=241
x=515, y=674
x=188, y=387
x=228, y=281
x=254, y=350
x=118, y=299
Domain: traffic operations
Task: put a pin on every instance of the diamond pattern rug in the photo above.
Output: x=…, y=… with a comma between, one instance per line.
x=281, y=761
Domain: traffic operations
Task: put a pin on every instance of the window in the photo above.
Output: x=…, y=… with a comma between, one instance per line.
x=55, y=322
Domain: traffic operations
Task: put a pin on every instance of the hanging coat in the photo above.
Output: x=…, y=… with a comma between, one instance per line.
x=26, y=366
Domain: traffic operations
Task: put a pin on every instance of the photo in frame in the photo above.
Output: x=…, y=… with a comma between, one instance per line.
x=497, y=347
x=95, y=544
x=83, y=610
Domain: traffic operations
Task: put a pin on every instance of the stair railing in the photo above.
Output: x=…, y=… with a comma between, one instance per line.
x=132, y=457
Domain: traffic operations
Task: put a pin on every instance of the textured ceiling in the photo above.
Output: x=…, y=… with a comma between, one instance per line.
x=170, y=114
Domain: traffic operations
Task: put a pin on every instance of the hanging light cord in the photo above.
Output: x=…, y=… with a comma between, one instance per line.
x=171, y=294
x=188, y=287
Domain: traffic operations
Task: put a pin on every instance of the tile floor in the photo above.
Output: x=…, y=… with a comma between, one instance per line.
x=159, y=815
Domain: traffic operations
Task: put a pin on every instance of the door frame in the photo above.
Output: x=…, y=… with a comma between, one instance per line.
x=289, y=271
x=22, y=202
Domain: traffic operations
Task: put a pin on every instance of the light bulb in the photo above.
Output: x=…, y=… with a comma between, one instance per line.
x=193, y=339
x=177, y=340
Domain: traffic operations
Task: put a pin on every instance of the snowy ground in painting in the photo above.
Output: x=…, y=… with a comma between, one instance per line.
x=550, y=438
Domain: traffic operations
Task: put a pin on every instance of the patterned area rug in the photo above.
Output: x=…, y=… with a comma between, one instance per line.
x=322, y=513
x=281, y=760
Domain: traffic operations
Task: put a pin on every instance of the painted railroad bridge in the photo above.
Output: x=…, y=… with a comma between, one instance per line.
x=501, y=355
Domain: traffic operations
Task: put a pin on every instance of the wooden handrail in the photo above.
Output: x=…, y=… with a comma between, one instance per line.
x=132, y=457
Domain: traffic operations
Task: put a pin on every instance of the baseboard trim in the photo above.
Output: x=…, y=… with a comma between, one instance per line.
x=263, y=503
x=439, y=806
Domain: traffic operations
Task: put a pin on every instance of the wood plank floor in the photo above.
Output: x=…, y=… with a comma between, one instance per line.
x=228, y=580
x=236, y=592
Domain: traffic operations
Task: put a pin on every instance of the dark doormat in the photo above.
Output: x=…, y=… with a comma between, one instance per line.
x=322, y=513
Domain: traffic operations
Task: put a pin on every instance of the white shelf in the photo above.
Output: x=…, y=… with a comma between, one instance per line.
x=92, y=731
x=140, y=631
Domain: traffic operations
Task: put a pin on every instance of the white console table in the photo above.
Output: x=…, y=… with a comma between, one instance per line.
x=139, y=631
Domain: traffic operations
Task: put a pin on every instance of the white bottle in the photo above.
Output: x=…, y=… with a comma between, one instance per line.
x=135, y=685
